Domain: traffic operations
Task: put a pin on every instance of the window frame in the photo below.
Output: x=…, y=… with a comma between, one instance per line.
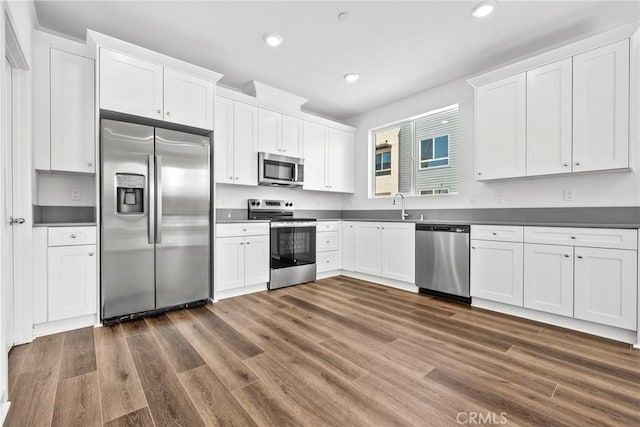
x=382, y=171
x=420, y=161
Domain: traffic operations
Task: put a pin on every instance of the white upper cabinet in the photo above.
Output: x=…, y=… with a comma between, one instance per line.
x=142, y=88
x=501, y=129
x=188, y=99
x=223, y=140
x=339, y=161
x=315, y=141
x=291, y=144
x=549, y=103
x=269, y=131
x=130, y=85
x=72, y=120
x=601, y=108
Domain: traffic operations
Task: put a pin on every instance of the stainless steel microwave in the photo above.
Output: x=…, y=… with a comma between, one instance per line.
x=280, y=171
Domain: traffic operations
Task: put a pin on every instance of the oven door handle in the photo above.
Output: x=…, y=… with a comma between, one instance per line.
x=293, y=224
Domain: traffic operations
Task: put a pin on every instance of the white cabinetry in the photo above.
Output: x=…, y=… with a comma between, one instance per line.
x=368, y=248
x=501, y=128
x=347, y=246
x=142, y=88
x=497, y=271
x=242, y=255
x=236, y=133
x=64, y=131
x=328, y=158
x=279, y=133
x=601, y=108
x=548, y=278
x=327, y=246
x=291, y=136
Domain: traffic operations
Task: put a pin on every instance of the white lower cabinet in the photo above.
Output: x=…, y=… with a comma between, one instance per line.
x=327, y=246
x=230, y=263
x=548, y=278
x=497, y=271
x=367, y=248
x=72, y=281
x=256, y=260
x=348, y=246
x=606, y=286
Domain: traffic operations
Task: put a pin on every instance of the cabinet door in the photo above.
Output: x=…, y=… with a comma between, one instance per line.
x=188, y=100
x=348, y=246
x=367, y=248
x=229, y=263
x=130, y=85
x=549, y=119
x=257, y=255
x=291, y=136
x=269, y=131
x=548, y=278
x=399, y=251
x=606, y=286
x=500, y=128
x=245, y=144
x=339, y=161
x=72, y=281
x=601, y=108
x=72, y=113
x=497, y=271
x=315, y=141
x=223, y=140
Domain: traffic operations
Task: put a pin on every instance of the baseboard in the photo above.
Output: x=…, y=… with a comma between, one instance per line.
x=605, y=331
x=245, y=290
x=4, y=410
x=409, y=287
x=327, y=274
x=57, y=326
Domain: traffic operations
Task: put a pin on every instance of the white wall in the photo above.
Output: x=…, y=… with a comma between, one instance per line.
x=595, y=189
x=54, y=189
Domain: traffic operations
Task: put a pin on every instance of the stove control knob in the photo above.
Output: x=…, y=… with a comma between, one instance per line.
x=253, y=203
x=258, y=204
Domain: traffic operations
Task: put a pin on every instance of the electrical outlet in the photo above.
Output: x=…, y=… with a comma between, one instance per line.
x=75, y=195
x=225, y=200
x=569, y=195
x=499, y=197
x=472, y=200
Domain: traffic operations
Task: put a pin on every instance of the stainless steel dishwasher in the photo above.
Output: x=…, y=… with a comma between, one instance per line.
x=442, y=260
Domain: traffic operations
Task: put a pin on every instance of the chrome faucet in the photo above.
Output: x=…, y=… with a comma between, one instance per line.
x=404, y=215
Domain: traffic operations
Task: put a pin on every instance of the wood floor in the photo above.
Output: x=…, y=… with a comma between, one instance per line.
x=339, y=352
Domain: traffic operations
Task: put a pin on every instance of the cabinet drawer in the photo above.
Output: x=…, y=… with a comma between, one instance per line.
x=71, y=236
x=242, y=229
x=594, y=237
x=502, y=233
x=327, y=226
x=327, y=242
x=327, y=261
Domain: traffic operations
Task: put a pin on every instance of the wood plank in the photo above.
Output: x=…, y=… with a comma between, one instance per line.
x=225, y=364
x=216, y=405
x=17, y=356
x=266, y=408
x=167, y=398
x=78, y=353
x=134, y=327
x=225, y=333
x=180, y=353
x=78, y=401
x=139, y=418
x=120, y=389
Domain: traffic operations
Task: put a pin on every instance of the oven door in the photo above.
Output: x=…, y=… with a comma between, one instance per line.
x=292, y=245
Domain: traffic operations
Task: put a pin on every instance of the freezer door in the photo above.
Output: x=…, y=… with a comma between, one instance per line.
x=127, y=246
x=182, y=218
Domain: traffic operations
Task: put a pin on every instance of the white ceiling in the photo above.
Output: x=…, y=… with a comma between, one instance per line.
x=399, y=48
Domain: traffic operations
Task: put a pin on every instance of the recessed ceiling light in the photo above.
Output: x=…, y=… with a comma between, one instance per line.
x=483, y=9
x=273, y=39
x=351, y=77
x=444, y=122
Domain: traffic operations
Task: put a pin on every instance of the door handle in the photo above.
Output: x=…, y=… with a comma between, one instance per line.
x=151, y=199
x=13, y=220
x=158, y=199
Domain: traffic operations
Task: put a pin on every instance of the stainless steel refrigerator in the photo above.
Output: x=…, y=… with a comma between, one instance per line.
x=155, y=219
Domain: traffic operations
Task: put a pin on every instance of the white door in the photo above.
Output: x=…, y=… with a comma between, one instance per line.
x=229, y=263
x=257, y=256
x=315, y=140
x=348, y=246
x=130, y=85
x=497, y=271
x=548, y=278
x=6, y=163
x=291, y=136
x=72, y=112
x=399, y=251
x=188, y=99
x=269, y=131
x=601, y=108
x=549, y=118
x=500, y=128
x=367, y=247
x=223, y=140
x=606, y=286
x=245, y=144
x=72, y=281
x=339, y=161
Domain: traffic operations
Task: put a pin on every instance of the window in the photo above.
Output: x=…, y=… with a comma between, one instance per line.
x=417, y=156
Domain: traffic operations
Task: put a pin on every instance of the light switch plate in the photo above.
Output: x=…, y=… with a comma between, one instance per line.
x=569, y=195
x=75, y=195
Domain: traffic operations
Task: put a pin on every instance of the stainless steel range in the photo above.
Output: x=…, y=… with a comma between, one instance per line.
x=293, y=242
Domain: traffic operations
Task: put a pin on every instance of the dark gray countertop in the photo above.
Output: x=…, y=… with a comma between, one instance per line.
x=65, y=224
x=236, y=221
x=528, y=224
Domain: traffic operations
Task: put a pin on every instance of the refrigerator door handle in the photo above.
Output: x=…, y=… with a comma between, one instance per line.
x=151, y=198
x=158, y=199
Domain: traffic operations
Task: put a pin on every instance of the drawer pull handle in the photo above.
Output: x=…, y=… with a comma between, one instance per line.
x=74, y=235
x=577, y=163
x=328, y=241
x=241, y=243
x=566, y=255
x=494, y=233
x=579, y=256
x=244, y=229
x=473, y=247
x=91, y=253
x=573, y=237
x=248, y=243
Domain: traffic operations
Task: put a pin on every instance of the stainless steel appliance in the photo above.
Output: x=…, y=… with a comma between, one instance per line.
x=280, y=171
x=293, y=242
x=442, y=260
x=155, y=216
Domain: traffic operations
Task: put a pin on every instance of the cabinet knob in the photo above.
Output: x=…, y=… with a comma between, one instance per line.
x=327, y=261
x=168, y=113
x=565, y=164
x=230, y=177
x=494, y=233
x=89, y=163
x=91, y=253
x=577, y=163
x=248, y=243
x=573, y=237
x=479, y=173
x=579, y=256
x=328, y=241
x=158, y=111
x=473, y=247
x=244, y=229
x=241, y=243
x=74, y=235
x=237, y=177
x=566, y=255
